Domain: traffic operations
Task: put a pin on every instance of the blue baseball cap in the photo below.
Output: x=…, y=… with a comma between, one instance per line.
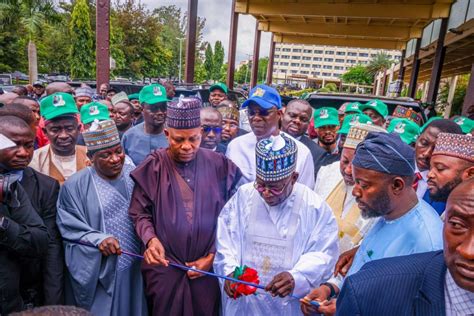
x=265, y=96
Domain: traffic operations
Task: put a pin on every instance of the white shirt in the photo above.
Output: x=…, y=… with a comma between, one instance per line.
x=241, y=151
x=65, y=164
x=328, y=178
x=422, y=183
x=458, y=301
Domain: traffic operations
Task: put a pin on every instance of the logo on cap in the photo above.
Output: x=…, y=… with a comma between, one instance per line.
x=373, y=103
x=460, y=121
x=58, y=100
x=354, y=121
x=323, y=114
x=157, y=91
x=354, y=107
x=400, y=128
x=259, y=92
x=93, y=110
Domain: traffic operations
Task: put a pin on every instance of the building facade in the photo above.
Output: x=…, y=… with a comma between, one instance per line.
x=296, y=63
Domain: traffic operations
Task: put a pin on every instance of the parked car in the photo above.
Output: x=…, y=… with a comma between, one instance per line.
x=335, y=100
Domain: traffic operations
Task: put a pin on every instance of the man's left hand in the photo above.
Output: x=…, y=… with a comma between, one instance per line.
x=204, y=263
x=282, y=284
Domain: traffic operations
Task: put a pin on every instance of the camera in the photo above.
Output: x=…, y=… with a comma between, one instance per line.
x=8, y=184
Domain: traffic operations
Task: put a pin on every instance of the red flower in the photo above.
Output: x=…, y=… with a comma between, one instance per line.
x=246, y=274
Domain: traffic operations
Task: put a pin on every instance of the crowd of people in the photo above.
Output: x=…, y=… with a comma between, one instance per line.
x=116, y=204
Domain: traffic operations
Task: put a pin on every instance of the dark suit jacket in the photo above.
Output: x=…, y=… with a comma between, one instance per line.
x=407, y=285
x=320, y=156
x=44, y=275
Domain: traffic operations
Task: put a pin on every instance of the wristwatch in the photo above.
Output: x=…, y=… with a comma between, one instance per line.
x=333, y=290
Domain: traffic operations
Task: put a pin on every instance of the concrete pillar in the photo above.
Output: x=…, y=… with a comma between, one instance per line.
x=271, y=59
x=191, y=41
x=452, y=88
x=424, y=95
x=468, y=105
x=437, y=63
x=414, y=70
x=234, y=24
x=102, y=36
x=256, y=54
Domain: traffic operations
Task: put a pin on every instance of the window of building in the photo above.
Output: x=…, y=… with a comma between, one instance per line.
x=352, y=54
x=329, y=59
x=336, y=75
x=283, y=64
x=326, y=74
x=295, y=64
x=351, y=61
x=306, y=58
x=373, y=55
x=283, y=71
x=317, y=58
x=296, y=50
x=277, y=49
x=316, y=73
x=294, y=71
x=277, y=56
x=318, y=52
x=327, y=67
x=296, y=57
x=338, y=60
x=341, y=53
x=286, y=50
x=317, y=66
x=363, y=55
x=307, y=51
x=285, y=56
x=329, y=52
x=338, y=68
x=304, y=72
x=306, y=65
x=275, y=63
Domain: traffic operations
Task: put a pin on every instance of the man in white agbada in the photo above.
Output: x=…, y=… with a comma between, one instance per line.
x=264, y=113
x=278, y=227
x=335, y=184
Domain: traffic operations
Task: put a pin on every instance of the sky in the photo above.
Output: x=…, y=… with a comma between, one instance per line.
x=217, y=14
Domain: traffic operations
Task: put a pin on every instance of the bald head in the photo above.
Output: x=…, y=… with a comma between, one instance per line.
x=210, y=113
x=54, y=87
x=7, y=98
x=459, y=234
x=10, y=123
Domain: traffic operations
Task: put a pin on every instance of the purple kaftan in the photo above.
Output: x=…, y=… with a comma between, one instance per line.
x=157, y=210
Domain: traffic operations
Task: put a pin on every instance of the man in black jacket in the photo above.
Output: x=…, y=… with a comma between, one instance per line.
x=22, y=232
x=295, y=122
x=41, y=281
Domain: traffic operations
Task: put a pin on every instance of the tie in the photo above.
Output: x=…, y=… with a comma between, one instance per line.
x=418, y=177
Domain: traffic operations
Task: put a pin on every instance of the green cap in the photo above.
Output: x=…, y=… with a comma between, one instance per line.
x=154, y=93
x=465, y=123
x=434, y=118
x=325, y=116
x=57, y=104
x=405, y=128
x=94, y=111
x=353, y=107
x=133, y=96
x=220, y=86
x=352, y=120
x=376, y=105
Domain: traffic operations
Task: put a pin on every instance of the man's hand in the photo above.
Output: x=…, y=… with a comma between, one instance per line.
x=155, y=253
x=227, y=288
x=110, y=246
x=344, y=262
x=319, y=295
x=282, y=284
x=204, y=263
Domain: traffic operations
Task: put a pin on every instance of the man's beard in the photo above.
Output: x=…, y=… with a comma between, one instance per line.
x=322, y=141
x=441, y=195
x=380, y=207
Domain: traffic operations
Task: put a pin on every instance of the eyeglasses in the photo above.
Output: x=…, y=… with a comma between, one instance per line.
x=274, y=191
x=215, y=129
x=260, y=112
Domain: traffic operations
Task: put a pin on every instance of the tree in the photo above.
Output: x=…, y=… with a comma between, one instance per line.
x=217, y=60
x=359, y=75
x=209, y=62
x=31, y=15
x=82, y=53
x=380, y=62
x=242, y=73
x=262, y=70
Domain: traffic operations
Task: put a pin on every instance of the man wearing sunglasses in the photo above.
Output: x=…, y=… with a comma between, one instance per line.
x=278, y=227
x=140, y=140
x=211, y=130
x=264, y=113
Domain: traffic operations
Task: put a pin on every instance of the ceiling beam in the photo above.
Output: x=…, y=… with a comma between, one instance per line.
x=398, y=32
x=362, y=10
x=349, y=42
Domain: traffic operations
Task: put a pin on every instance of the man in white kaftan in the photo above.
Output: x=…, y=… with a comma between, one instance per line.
x=280, y=228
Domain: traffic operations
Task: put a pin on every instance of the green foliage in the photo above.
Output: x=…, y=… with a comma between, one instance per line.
x=331, y=87
x=217, y=61
x=82, y=53
x=209, y=62
x=380, y=62
x=241, y=74
x=262, y=70
x=359, y=75
x=458, y=98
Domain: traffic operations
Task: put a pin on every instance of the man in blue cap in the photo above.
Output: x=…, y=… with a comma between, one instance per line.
x=383, y=169
x=280, y=228
x=264, y=111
